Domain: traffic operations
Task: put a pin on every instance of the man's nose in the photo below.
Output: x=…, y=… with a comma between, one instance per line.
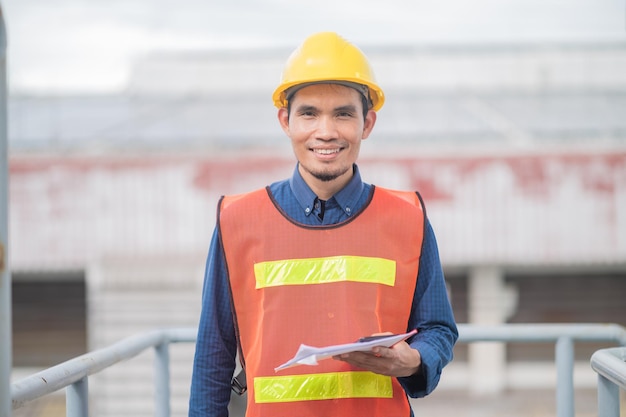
x=327, y=128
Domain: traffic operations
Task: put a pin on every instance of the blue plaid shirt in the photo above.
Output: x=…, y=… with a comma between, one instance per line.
x=216, y=346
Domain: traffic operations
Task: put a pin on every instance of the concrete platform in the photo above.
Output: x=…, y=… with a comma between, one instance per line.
x=442, y=403
x=519, y=403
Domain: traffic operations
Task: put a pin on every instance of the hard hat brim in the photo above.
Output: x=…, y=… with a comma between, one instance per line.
x=283, y=93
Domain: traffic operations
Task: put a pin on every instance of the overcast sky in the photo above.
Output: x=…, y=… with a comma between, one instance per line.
x=88, y=45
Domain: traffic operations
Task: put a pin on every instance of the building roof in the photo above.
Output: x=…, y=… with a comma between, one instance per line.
x=516, y=96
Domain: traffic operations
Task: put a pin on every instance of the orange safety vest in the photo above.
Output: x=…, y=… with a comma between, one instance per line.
x=320, y=285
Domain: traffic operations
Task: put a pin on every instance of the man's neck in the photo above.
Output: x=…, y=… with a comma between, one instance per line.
x=324, y=190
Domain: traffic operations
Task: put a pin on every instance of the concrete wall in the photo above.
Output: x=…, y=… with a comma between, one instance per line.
x=127, y=296
x=565, y=207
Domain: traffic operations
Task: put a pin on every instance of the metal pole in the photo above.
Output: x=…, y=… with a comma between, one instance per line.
x=162, y=380
x=608, y=398
x=565, y=377
x=77, y=399
x=5, y=277
x=610, y=365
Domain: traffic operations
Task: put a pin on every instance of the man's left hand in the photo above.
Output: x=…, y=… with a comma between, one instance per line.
x=397, y=361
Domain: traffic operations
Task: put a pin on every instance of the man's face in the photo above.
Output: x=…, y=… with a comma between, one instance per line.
x=326, y=128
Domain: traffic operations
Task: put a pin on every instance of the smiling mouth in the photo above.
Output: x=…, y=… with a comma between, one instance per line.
x=326, y=151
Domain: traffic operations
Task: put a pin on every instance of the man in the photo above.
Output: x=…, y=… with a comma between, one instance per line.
x=322, y=259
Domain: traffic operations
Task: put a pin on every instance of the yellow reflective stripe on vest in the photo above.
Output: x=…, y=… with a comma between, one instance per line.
x=325, y=270
x=335, y=385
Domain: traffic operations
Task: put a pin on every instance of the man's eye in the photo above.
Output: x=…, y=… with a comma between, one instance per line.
x=344, y=114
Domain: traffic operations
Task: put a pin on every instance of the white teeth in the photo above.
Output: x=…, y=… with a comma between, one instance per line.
x=326, y=151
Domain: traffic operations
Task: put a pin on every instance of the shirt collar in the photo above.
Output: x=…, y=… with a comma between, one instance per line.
x=346, y=198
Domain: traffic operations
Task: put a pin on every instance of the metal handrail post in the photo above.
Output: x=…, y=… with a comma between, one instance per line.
x=5, y=274
x=564, y=352
x=162, y=380
x=77, y=399
x=608, y=398
x=610, y=365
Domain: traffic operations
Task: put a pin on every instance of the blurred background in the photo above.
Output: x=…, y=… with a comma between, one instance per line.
x=128, y=120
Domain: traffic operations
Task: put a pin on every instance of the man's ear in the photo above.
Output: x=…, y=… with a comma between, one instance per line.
x=368, y=125
x=283, y=119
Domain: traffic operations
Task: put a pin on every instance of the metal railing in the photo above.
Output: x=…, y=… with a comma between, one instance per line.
x=610, y=364
x=563, y=335
x=74, y=373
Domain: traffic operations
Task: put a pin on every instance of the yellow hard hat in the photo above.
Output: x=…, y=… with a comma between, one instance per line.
x=327, y=57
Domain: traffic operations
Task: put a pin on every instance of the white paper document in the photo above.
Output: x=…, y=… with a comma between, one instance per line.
x=309, y=355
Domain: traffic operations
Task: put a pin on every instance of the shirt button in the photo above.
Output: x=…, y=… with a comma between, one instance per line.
x=307, y=210
x=348, y=210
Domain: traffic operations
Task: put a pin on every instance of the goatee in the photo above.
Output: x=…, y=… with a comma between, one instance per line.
x=325, y=176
